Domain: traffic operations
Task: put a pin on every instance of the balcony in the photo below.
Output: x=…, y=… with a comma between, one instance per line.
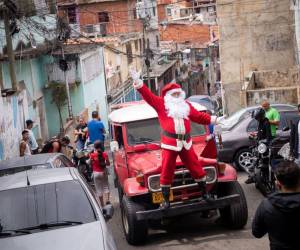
x=91, y=30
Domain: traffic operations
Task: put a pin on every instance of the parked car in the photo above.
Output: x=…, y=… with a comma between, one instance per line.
x=236, y=143
x=229, y=122
x=17, y=164
x=51, y=209
x=206, y=101
x=137, y=166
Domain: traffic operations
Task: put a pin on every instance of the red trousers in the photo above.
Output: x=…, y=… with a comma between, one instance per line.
x=188, y=158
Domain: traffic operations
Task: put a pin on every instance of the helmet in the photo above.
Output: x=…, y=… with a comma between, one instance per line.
x=66, y=139
x=259, y=114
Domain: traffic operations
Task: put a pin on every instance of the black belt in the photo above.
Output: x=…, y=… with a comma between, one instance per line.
x=177, y=136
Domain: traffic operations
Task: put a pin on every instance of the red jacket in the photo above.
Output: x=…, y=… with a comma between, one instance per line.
x=172, y=125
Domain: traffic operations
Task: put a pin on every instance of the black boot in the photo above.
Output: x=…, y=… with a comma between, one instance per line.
x=206, y=195
x=166, y=195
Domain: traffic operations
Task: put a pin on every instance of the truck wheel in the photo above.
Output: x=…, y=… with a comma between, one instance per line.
x=234, y=216
x=120, y=193
x=135, y=231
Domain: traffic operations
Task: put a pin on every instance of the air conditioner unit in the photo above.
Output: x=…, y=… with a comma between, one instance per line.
x=141, y=10
x=97, y=28
x=75, y=30
x=89, y=28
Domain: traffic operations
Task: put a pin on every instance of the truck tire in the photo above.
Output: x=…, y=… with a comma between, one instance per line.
x=120, y=193
x=135, y=231
x=234, y=216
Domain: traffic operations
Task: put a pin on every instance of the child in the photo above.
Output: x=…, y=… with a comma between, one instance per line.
x=99, y=160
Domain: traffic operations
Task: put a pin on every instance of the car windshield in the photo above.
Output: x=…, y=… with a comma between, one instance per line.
x=205, y=102
x=49, y=203
x=145, y=131
x=14, y=170
x=232, y=120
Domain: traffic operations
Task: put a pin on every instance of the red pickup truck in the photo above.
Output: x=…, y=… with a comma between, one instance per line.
x=137, y=167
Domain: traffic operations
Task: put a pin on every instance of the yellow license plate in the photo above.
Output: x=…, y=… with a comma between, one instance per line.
x=158, y=197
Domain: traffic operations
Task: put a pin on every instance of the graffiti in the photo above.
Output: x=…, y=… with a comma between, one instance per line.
x=277, y=42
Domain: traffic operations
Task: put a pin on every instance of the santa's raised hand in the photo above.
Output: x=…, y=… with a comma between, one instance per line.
x=137, y=82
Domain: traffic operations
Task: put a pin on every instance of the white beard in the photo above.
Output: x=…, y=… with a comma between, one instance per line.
x=177, y=107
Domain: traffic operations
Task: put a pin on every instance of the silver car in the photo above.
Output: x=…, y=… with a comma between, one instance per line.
x=237, y=145
x=51, y=209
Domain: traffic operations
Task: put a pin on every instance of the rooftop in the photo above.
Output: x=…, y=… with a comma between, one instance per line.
x=139, y=111
x=157, y=70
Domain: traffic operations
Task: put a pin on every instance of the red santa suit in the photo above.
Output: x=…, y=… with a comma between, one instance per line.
x=175, y=137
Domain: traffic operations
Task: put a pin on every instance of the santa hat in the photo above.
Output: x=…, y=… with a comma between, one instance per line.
x=170, y=89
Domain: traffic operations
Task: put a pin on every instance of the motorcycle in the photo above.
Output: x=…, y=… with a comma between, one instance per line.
x=82, y=162
x=263, y=158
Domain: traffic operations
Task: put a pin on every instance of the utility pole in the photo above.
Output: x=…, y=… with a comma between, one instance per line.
x=10, y=52
x=67, y=85
x=147, y=60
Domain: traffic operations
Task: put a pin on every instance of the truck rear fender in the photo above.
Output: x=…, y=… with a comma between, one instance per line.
x=133, y=188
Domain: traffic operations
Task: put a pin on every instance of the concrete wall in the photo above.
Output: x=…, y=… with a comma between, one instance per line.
x=95, y=90
x=253, y=36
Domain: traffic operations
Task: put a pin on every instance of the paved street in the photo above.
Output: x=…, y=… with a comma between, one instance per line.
x=191, y=232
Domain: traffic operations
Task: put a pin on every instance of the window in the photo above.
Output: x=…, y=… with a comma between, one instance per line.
x=119, y=135
x=92, y=66
x=169, y=12
x=157, y=41
x=154, y=11
x=136, y=45
x=71, y=12
x=46, y=203
x=129, y=53
x=103, y=17
x=134, y=14
x=253, y=126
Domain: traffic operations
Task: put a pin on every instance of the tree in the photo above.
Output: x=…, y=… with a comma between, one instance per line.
x=59, y=98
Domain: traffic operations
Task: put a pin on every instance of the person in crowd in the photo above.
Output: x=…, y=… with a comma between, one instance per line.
x=34, y=147
x=294, y=138
x=80, y=134
x=96, y=129
x=279, y=214
x=264, y=132
x=24, y=144
x=100, y=161
x=55, y=145
x=273, y=116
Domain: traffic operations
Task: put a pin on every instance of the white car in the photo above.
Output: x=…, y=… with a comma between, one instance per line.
x=51, y=209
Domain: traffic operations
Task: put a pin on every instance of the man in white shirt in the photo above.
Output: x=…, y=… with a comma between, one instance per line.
x=34, y=147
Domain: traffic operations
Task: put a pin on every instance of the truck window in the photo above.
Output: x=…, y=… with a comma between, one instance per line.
x=119, y=135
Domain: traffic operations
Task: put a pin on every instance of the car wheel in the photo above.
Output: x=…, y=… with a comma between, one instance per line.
x=234, y=216
x=244, y=159
x=136, y=231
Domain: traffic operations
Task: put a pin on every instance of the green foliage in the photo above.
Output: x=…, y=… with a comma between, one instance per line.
x=58, y=93
x=59, y=98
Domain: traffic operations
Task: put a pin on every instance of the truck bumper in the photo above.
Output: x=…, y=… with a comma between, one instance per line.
x=187, y=208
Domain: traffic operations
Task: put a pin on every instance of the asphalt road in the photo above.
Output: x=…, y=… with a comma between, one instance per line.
x=193, y=232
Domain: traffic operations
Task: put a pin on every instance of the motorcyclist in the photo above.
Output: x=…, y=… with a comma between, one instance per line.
x=263, y=133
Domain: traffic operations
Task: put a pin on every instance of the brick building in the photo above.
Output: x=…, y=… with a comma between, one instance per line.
x=106, y=17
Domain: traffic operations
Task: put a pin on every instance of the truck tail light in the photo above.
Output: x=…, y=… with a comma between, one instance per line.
x=221, y=168
x=140, y=179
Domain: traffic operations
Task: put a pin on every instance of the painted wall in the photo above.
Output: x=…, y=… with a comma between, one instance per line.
x=95, y=89
x=253, y=37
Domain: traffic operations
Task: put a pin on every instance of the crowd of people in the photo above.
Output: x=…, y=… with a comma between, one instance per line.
x=85, y=134
x=278, y=215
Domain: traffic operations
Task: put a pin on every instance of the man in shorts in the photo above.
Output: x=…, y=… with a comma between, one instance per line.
x=100, y=161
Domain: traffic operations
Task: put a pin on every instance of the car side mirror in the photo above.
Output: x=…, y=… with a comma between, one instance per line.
x=108, y=211
x=286, y=128
x=114, y=146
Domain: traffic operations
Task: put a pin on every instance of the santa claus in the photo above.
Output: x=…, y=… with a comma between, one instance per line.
x=175, y=116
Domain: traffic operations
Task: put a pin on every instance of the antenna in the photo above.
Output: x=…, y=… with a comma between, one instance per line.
x=28, y=182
